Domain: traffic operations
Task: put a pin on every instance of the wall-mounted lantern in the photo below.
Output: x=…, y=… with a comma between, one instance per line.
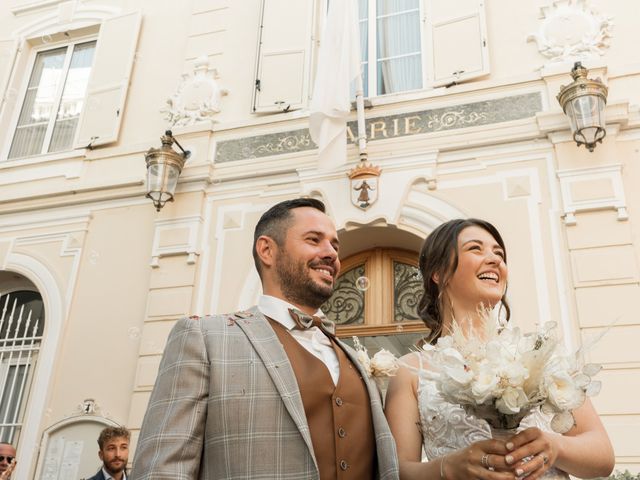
x=583, y=101
x=164, y=165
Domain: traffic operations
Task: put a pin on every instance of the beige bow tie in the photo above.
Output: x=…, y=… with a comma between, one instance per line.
x=304, y=321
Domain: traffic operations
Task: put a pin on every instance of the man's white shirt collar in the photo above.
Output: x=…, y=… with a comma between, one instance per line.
x=278, y=309
x=107, y=475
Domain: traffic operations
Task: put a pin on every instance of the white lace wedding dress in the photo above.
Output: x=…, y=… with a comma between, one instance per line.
x=447, y=427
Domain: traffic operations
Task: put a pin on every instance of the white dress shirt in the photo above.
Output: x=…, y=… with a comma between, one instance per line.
x=311, y=339
x=107, y=475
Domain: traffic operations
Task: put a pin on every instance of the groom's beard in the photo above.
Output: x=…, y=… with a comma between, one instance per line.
x=296, y=284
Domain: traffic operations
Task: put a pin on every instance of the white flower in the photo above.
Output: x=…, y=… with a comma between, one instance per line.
x=512, y=401
x=502, y=374
x=563, y=391
x=513, y=372
x=384, y=363
x=485, y=384
x=455, y=367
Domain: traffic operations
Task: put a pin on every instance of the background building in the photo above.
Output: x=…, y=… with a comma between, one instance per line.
x=462, y=121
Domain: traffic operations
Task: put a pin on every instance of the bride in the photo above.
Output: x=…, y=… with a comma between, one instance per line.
x=464, y=269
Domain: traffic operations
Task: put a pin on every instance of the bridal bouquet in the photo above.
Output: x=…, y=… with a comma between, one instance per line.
x=502, y=376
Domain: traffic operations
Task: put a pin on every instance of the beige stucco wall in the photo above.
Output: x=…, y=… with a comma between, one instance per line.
x=115, y=275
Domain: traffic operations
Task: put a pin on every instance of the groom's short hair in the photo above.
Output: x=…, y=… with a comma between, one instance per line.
x=275, y=222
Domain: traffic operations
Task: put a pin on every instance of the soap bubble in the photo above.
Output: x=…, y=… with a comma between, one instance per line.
x=363, y=283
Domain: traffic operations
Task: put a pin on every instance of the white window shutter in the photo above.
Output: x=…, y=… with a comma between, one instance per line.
x=456, y=41
x=109, y=81
x=8, y=52
x=284, y=53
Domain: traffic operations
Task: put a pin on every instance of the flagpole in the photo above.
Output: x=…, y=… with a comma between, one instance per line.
x=362, y=130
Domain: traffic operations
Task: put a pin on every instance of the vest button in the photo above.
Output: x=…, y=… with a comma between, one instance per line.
x=343, y=464
x=341, y=432
x=338, y=401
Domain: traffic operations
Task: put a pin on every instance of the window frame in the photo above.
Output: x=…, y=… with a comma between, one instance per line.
x=36, y=48
x=372, y=66
x=431, y=50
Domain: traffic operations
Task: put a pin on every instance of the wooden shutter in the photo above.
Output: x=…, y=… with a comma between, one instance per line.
x=107, y=90
x=8, y=52
x=284, y=53
x=456, y=41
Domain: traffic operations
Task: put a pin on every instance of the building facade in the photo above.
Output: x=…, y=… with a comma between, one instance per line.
x=461, y=121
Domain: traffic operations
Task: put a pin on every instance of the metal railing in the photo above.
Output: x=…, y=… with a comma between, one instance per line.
x=20, y=338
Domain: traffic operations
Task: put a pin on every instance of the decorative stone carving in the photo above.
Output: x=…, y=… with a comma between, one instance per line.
x=572, y=30
x=88, y=407
x=197, y=98
x=485, y=112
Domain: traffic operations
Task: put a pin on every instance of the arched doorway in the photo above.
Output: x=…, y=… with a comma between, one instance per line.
x=378, y=290
x=22, y=319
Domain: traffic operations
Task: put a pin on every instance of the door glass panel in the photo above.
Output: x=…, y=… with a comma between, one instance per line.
x=407, y=290
x=346, y=305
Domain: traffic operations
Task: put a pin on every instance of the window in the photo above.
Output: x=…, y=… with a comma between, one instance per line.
x=71, y=94
x=21, y=327
x=53, y=101
x=406, y=45
x=390, y=35
x=415, y=44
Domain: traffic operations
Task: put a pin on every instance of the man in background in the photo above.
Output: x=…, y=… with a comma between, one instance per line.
x=7, y=460
x=114, y=453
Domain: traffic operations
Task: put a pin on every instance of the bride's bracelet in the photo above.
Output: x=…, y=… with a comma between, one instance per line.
x=442, y=477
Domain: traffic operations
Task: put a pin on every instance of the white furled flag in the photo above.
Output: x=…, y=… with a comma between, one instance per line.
x=338, y=65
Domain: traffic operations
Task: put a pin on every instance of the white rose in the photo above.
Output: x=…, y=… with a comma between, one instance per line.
x=513, y=372
x=512, y=400
x=563, y=391
x=454, y=366
x=384, y=363
x=485, y=384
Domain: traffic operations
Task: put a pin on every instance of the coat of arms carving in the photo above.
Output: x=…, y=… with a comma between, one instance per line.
x=364, y=185
x=198, y=97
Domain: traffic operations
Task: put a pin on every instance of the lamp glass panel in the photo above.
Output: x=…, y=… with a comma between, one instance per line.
x=586, y=114
x=162, y=177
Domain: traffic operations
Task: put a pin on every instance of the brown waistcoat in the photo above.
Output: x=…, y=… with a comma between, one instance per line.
x=339, y=416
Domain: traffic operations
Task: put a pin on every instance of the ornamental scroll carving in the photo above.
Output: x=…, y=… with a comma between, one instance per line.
x=572, y=30
x=198, y=96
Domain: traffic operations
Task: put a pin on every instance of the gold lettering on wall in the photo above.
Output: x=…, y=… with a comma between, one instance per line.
x=350, y=135
x=410, y=127
x=379, y=126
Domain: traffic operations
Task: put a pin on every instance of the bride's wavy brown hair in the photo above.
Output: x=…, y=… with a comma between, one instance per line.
x=439, y=257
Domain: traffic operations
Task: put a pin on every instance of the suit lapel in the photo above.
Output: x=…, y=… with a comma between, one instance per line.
x=270, y=350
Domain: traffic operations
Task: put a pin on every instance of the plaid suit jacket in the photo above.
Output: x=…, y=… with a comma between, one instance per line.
x=226, y=405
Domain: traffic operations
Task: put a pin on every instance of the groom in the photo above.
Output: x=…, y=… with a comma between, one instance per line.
x=269, y=393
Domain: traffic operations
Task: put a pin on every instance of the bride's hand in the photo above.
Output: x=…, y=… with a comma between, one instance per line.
x=483, y=460
x=532, y=452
